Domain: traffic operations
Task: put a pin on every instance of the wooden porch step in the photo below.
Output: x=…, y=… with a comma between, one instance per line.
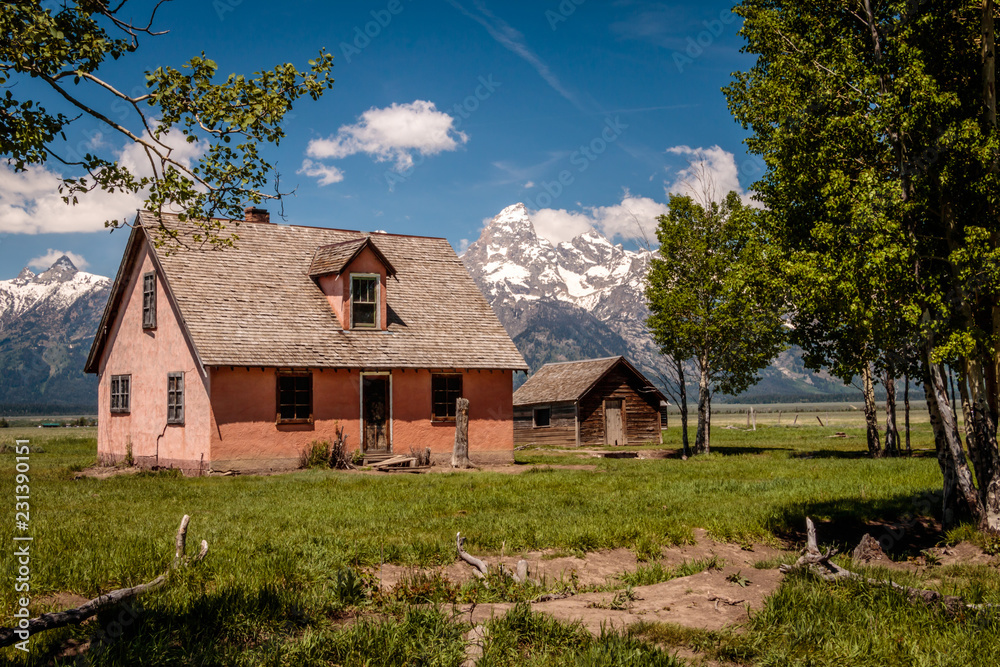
x=377, y=457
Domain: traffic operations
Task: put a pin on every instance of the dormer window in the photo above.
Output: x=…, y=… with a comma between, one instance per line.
x=364, y=301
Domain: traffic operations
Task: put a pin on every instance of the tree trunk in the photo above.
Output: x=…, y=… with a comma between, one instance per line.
x=951, y=382
x=682, y=388
x=906, y=411
x=871, y=413
x=891, y=429
x=702, y=444
x=983, y=446
x=460, y=454
x=959, y=491
x=988, y=48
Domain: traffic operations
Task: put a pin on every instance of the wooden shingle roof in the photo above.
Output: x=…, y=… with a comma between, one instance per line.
x=334, y=258
x=570, y=380
x=256, y=304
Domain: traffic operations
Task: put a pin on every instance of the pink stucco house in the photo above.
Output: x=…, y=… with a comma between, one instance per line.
x=237, y=359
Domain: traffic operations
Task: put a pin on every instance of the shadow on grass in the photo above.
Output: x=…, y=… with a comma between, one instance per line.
x=904, y=525
x=743, y=449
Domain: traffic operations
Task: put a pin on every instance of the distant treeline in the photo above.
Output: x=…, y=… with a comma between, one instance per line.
x=45, y=409
x=856, y=397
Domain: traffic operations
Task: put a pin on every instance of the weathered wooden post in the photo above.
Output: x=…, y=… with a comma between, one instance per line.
x=460, y=454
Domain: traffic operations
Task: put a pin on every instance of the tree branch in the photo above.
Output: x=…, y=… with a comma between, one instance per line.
x=59, y=619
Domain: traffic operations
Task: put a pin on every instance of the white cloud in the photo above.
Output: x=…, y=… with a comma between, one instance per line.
x=558, y=225
x=633, y=218
x=394, y=133
x=529, y=185
x=711, y=174
x=463, y=245
x=30, y=202
x=50, y=257
x=326, y=174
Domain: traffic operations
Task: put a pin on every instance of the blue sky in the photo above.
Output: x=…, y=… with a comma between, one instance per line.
x=443, y=113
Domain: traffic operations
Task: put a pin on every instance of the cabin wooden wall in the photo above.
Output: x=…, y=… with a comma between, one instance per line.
x=561, y=429
x=641, y=413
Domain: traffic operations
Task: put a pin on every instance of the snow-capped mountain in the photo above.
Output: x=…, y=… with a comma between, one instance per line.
x=47, y=323
x=589, y=282
x=586, y=298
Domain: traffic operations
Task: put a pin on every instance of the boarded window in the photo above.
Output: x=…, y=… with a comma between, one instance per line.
x=543, y=417
x=149, y=300
x=294, y=398
x=175, y=398
x=364, y=301
x=445, y=391
x=121, y=393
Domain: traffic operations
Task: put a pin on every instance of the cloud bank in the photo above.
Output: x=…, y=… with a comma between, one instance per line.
x=392, y=134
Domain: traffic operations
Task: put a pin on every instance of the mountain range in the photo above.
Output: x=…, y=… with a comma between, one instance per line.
x=559, y=302
x=47, y=323
x=584, y=298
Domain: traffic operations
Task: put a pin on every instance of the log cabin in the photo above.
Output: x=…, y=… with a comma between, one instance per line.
x=237, y=359
x=586, y=403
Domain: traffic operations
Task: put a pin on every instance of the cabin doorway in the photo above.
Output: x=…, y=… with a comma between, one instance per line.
x=614, y=422
x=375, y=414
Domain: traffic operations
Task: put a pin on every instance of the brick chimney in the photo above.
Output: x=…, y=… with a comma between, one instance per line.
x=251, y=214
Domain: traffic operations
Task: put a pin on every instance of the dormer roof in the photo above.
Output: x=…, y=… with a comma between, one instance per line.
x=335, y=257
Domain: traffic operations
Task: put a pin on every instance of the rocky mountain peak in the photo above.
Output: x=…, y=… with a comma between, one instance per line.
x=511, y=225
x=61, y=271
x=26, y=274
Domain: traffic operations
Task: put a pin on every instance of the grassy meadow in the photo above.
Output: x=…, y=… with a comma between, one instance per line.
x=290, y=555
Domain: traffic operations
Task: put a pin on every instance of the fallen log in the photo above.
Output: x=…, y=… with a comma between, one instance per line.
x=482, y=570
x=820, y=564
x=480, y=567
x=59, y=619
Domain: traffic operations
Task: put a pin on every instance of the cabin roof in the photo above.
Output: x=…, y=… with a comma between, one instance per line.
x=571, y=380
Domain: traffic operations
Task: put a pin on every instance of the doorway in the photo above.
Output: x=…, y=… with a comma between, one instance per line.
x=375, y=414
x=614, y=422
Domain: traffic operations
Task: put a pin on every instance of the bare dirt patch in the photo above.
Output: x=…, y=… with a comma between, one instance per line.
x=105, y=472
x=707, y=600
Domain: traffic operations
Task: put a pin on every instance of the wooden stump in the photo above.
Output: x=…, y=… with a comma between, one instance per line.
x=460, y=454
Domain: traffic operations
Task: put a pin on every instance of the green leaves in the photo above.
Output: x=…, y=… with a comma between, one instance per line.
x=710, y=293
x=188, y=105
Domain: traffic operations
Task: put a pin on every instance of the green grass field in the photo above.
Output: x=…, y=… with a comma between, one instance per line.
x=271, y=589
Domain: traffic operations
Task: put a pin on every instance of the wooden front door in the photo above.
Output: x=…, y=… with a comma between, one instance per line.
x=614, y=422
x=375, y=413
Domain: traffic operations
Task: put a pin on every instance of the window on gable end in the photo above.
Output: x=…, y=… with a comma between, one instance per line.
x=149, y=300
x=175, y=398
x=121, y=393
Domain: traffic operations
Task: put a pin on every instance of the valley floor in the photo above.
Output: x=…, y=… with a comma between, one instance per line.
x=641, y=561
